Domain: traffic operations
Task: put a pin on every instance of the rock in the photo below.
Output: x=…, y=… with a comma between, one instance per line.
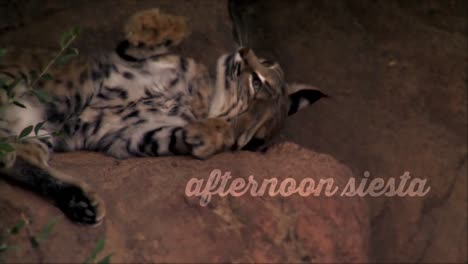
x=150, y=218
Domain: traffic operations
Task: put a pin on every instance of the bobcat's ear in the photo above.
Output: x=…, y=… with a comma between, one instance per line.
x=302, y=95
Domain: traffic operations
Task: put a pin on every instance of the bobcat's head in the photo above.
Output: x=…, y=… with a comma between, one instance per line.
x=253, y=96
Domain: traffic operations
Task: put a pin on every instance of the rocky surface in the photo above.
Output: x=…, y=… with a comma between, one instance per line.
x=150, y=219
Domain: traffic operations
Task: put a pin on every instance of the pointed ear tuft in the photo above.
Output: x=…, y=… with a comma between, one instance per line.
x=302, y=96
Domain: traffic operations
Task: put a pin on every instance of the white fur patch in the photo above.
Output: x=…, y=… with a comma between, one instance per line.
x=18, y=118
x=219, y=97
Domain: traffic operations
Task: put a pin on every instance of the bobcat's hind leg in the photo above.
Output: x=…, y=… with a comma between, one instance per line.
x=153, y=28
x=150, y=33
x=28, y=167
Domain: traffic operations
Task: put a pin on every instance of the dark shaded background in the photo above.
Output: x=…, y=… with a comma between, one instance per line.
x=396, y=71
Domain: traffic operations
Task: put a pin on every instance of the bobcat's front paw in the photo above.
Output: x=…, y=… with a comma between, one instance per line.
x=208, y=137
x=154, y=28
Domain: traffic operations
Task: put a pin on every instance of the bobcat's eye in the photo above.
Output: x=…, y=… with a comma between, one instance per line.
x=256, y=82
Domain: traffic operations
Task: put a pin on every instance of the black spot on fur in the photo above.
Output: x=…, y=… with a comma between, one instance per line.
x=131, y=105
x=85, y=127
x=54, y=114
x=128, y=75
x=119, y=91
x=130, y=115
x=147, y=140
x=78, y=102
x=190, y=88
x=68, y=103
x=105, y=69
x=173, y=141
x=186, y=117
x=83, y=77
x=98, y=123
x=168, y=42
x=119, y=111
x=96, y=75
x=174, y=82
x=88, y=100
x=67, y=129
x=227, y=84
x=183, y=64
x=139, y=122
x=114, y=68
x=148, y=92
x=103, y=96
x=173, y=111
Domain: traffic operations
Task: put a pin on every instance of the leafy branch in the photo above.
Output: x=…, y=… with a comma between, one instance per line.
x=34, y=239
x=67, y=39
x=64, y=55
x=92, y=258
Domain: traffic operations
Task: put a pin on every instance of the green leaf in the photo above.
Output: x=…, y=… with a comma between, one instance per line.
x=105, y=260
x=19, y=104
x=17, y=228
x=68, y=37
x=25, y=132
x=38, y=127
x=6, y=147
x=58, y=133
x=3, y=247
x=3, y=51
x=34, y=242
x=45, y=232
x=11, y=86
x=3, y=83
x=65, y=58
x=99, y=247
x=74, y=51
x=47, y=77
x=42, y=96
x=33, y=76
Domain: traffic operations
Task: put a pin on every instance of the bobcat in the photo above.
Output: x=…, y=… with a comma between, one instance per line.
x=141, y=100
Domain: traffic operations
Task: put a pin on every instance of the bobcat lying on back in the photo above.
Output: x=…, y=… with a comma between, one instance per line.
x=142, y=101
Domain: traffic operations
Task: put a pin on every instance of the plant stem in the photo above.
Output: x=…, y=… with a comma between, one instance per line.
x=31, y=236
x=47, y=67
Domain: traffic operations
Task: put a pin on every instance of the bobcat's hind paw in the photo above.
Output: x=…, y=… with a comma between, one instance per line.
x=80, y=205
x=153, y=28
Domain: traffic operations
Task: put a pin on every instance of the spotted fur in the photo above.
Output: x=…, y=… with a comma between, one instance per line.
x=140, y=100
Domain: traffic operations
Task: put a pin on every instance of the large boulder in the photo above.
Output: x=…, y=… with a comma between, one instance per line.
x=151, y=219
